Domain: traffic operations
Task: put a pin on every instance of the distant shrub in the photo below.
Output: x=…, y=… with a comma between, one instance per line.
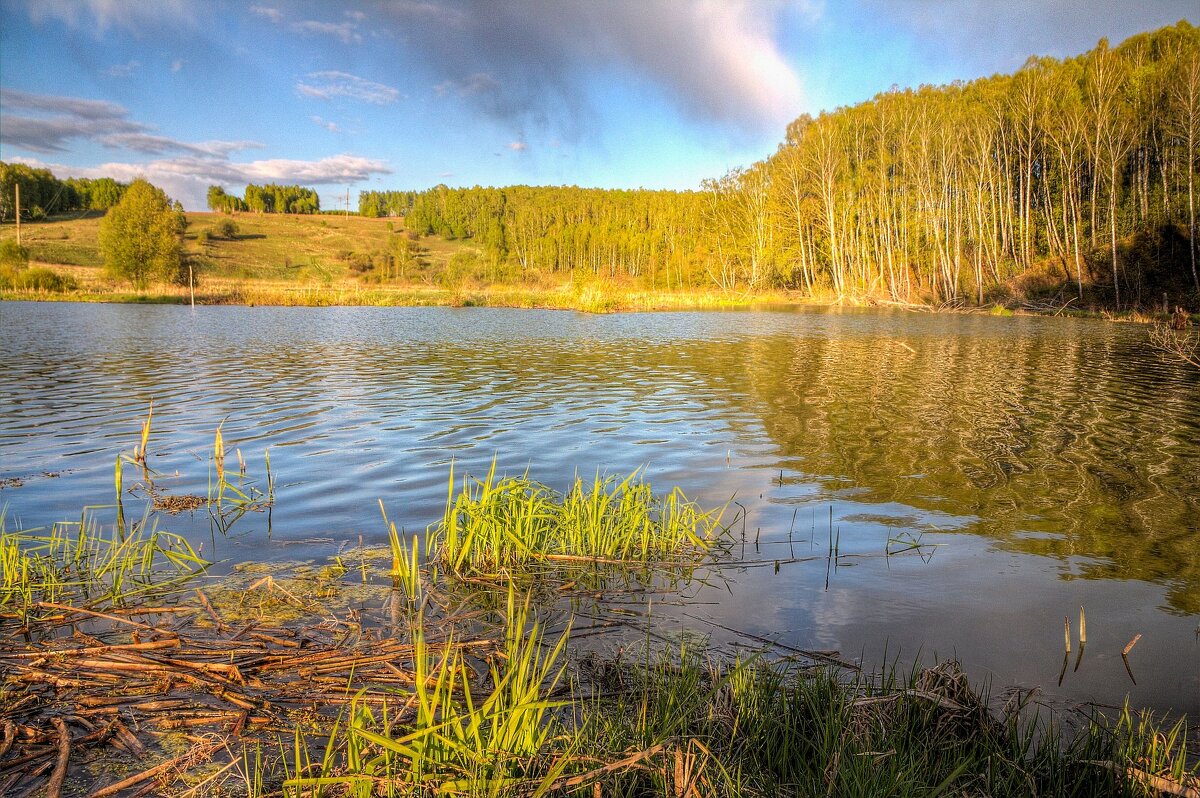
x=227, y=228
x=203, y=236
x=40, y=278
x=361, y=262
x=462, y=269
x=8, y=276
x=13, y=255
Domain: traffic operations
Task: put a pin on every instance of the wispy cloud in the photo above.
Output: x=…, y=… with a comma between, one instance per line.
x=268, y=13
x=123, y=70
x=150, y=144
x=329, y=84
x=332, y=127
x=518, y=146
x=177, y=64
x=97, y=16
x=56, y=104
x=346, y=32
x=60, y=120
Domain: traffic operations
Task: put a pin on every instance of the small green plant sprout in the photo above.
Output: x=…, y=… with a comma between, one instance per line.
x=405, y=571
x=142, y=447
x=219, y=453
x=228, y=501
x=139, y=454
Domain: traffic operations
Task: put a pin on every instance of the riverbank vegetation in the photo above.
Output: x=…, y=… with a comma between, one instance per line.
x=378, y=671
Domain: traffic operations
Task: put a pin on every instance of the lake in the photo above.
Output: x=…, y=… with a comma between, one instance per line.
x=1040, y=463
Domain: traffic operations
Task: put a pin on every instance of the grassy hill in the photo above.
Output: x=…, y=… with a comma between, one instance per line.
x=281, y=259
x=272, y=248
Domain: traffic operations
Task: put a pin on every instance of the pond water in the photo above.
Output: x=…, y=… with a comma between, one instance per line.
x=1041, y=463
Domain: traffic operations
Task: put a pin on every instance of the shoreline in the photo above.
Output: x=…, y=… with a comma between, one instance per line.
x=594, y=298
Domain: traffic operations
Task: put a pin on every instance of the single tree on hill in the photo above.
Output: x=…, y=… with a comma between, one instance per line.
x=139, y=236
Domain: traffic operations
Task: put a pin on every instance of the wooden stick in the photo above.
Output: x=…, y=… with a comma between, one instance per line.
x=152, y=645
x=209, y=609
x=10, y=732
x=1067, y=634
x=65, y=608
x=1163, y=786
x=1082, y=626
x=629, y=761
x=54, y=787
x=1129, y=646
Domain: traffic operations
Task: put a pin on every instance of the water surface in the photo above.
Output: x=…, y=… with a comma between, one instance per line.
x=1055, y=462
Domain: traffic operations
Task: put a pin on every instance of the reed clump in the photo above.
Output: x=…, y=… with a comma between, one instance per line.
x=86, y=563
x=506, y=525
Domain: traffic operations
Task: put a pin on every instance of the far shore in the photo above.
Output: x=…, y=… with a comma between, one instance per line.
x=597, y=297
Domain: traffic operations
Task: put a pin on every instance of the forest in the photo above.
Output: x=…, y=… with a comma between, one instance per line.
x=270, y=198
x=1074, y=173
x=43, y=194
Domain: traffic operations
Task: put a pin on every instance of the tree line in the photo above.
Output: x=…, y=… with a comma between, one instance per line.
x=43, y=194
x=1081, y=169
x=270, y=198
x=653, y=236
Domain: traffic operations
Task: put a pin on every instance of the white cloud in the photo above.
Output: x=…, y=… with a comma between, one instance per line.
x=187, y=178
x=329, y=84
x=177, y=64
x=517, y=146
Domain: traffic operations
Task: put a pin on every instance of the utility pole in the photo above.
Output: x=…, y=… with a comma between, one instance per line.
x=18, y=188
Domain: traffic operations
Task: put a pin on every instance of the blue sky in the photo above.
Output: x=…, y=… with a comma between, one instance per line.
x=404, y=94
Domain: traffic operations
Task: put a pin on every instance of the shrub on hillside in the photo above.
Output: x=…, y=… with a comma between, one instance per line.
x=12, y=254
x=40, y=278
